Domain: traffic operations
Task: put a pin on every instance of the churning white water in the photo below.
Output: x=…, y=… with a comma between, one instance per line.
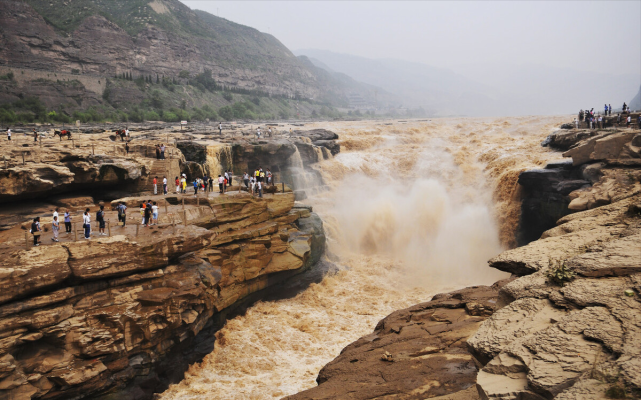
x=413, y=209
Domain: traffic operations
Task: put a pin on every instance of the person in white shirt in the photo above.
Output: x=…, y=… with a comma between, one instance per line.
x=86, y=223
x=55, y=228
x=164, y=185
x=220, y=128
x=8, y=134
x=127, y=132
x=270, y=132
x=55, y=212
x=221, y=182
x=260, y=189
x=154, y=214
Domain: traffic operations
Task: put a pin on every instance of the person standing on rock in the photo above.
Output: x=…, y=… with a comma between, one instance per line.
x=35, y=231
x=8, y=134
x=55, y=228
x=195, y=187
x=576, y=123
x=220, y=128
x=162, y=151
x=177, y=182
x=600, y=124
x=154, y=214
x=86, y=224
x=127, y=147
x=609, y=109
x=639, y=121
x=269, y=132
x=205, y=184
x=142, y=213
x=35, y=136
x=260, y=189
x=155, y=185
x=148, y=213
x=211, y=184
x=100, y=218
x=230, y=177
x=122, y=213
x=183, y=184
x=164, y=185
x=67, y=221
x=629, y=120
x=246, y=179
x=221, y=180
x=127, y=132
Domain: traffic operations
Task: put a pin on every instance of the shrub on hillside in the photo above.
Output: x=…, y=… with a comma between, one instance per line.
x=226, y=113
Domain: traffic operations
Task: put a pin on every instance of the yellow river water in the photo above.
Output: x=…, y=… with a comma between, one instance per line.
x=414, y=208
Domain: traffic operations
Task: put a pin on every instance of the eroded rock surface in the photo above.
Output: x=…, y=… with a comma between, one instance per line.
x=416, y=353
x=82, y=319
x=573, y=336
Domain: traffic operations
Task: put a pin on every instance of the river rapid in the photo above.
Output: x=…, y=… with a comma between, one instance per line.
x=413, y=209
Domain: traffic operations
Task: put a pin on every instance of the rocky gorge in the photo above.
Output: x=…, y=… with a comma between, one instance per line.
x=564, y=326
x=122, y=316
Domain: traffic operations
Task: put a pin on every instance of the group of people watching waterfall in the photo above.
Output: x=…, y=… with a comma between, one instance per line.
x=595, y=120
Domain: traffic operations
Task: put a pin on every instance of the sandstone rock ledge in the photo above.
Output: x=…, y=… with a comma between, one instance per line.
x=86, y=319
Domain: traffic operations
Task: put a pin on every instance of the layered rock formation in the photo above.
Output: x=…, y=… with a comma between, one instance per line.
x=86, y=163
x=82, y=319
x=604, y=168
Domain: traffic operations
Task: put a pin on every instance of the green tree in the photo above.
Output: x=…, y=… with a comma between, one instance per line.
x=240, y=110
x=226, y=113
x=157, y=100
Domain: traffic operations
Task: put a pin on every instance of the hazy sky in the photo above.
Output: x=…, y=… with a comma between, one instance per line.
x=594, y=36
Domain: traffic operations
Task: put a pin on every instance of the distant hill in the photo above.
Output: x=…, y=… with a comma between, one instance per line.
x=437, y=90
x=159, y=38
x=484, y=90
x=635, y=103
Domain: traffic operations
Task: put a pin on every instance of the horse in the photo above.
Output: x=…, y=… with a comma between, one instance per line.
x=122, y=134
x=62, y=134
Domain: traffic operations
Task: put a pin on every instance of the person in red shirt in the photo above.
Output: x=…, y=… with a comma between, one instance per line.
x=156, y=185
x=177, y=185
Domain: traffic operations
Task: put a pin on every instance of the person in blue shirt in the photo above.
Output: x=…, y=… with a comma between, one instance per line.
x=195, y=187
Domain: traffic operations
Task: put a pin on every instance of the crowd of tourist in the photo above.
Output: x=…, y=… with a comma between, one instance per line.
x=595, y=120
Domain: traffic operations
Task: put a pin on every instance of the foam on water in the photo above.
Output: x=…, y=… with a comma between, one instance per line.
x=413, y=209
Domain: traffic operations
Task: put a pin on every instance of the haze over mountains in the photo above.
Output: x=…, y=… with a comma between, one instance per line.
x=484, y=90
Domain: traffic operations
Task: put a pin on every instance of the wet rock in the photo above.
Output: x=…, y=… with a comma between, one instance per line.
x=564, y=140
